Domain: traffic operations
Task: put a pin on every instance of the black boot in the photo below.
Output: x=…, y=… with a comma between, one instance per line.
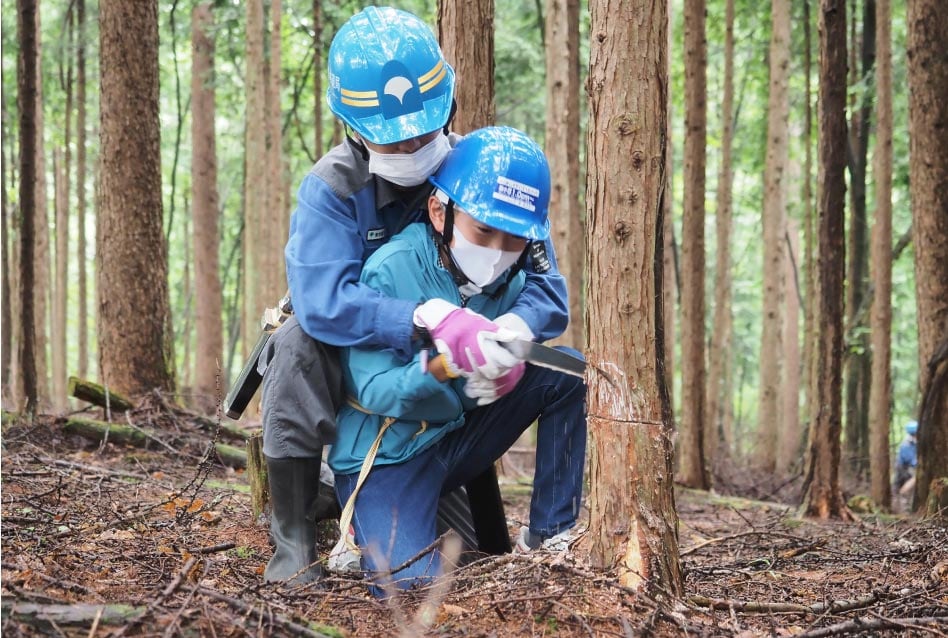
x=294, y=491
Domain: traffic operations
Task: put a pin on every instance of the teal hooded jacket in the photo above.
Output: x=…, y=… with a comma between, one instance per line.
x=380, y=385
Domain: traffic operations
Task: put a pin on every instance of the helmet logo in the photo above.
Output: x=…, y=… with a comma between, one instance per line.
x=517, y=193
x=400, y=95
x=397, y=87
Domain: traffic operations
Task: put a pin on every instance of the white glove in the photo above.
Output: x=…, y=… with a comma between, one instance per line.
x=515, y=324
x=498, y=361
x=487, y=390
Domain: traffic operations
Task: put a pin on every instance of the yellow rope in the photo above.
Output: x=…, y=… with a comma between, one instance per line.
x=345, y=519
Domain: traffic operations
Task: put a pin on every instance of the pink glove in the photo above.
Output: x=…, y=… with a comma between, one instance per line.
x=456, y=333
x=487, y=390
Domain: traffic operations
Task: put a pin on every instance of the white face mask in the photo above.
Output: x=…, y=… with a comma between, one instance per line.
x=410, y=169
x=480, y=264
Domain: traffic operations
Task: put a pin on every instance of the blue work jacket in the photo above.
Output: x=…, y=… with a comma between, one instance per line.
x=344, y=214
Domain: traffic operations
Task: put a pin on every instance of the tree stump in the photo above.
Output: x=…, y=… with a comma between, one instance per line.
x=257, y=473
x=937, y=503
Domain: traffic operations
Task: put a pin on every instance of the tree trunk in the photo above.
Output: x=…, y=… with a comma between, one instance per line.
x=720, y=334
x=788, y=439
x=669, y=265
x=27, y=77
x=633, y=522
x=858, y=354
x=6, y=261
x=562, y=151
x=277, y=219
x=928, y=168
x=880, y=260
x=59, y=341
x=207, y=299
x=466, y=34
x=318, y=96
x=82, y=311
x=823, y=497
x=809, y=259
x=255, y=233
x=135, y=353
x=41, y=282
x=778, y=110
x=692, y=470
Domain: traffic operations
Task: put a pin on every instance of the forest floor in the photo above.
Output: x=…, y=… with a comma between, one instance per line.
x=112, y=540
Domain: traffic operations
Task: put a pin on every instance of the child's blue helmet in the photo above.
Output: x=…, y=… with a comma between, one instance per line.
x=388, y=79
x=500, y=177
x=911, y=428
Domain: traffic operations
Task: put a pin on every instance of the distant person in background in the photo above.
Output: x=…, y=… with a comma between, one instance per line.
x=907, y=460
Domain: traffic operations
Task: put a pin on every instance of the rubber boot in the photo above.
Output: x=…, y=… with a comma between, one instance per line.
x=294, y=492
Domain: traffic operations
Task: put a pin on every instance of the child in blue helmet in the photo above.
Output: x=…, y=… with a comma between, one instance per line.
x=391, y=86
x=413, y=430
x=907, y=457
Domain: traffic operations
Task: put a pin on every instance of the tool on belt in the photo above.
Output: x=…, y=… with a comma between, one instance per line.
x=249, y=378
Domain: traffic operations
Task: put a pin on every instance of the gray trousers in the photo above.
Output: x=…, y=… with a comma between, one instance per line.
x=302, y=391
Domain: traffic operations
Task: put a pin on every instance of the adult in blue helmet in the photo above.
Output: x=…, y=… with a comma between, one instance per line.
x=413, y=430
x=393, y=89
x=907, y=458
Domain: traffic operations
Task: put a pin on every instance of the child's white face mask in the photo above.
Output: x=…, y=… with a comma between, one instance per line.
x=410, y=169
x=480, y=264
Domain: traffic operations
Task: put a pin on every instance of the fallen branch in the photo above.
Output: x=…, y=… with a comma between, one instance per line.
x=99, y=395
x=832, y=607
x=721, y=539
x=860, y=625
x=290, y=626
x=139, y=437
x=77, y=614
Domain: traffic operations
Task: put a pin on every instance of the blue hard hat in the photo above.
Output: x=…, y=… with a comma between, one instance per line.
x=911, y=428
x=500, y=177
x=388, y=79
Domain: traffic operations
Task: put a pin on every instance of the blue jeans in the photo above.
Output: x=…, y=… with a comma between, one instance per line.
x=396, y=508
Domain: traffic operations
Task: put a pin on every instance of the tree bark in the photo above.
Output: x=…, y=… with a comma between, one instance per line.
x=809, y=241
x=134, y=341
x=255, y=164
x=633, y=523
x=59, y=341
x=928, y=169
x=669, y=265
x=692, y=469
x=208, y=385
x=858, y=359
x=788, y=439
x=41, y=282
x=774, y=213
x=6, y=260
x=28, y=99
x=466, y=34
x=880, y=260
x=823, y=497
x=721, y=332
x=277, y=219
x=82, y=311
x=562, y=151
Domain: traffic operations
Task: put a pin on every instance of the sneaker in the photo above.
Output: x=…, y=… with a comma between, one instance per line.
x=343, y=558
x=527, y=542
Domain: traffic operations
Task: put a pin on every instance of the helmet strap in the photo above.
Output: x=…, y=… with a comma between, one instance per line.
x=443, y=241
x=358, y=145
x=454, y=110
